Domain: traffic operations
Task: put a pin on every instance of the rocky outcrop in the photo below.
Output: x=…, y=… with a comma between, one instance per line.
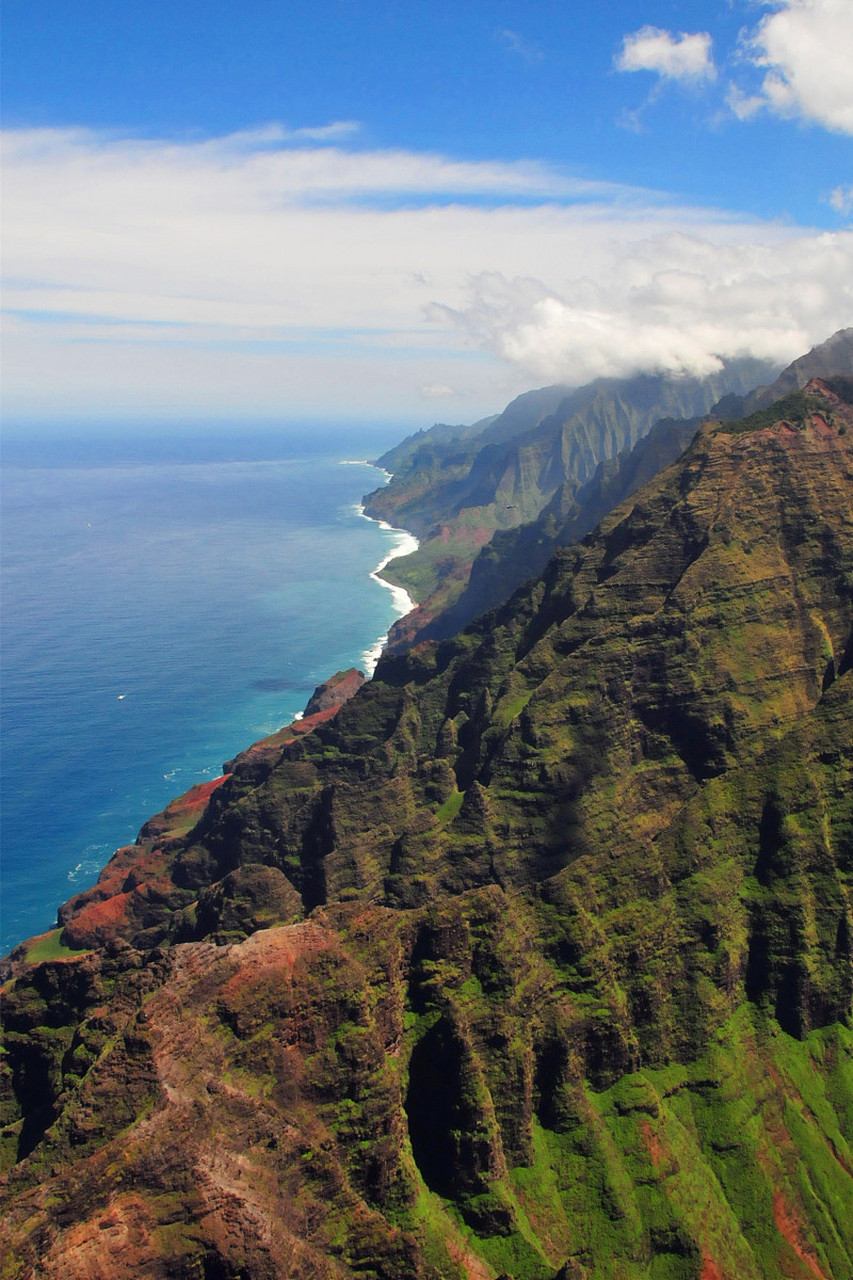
x=335, y=691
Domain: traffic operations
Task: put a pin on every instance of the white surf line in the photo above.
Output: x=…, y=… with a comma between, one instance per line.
x=403, y=602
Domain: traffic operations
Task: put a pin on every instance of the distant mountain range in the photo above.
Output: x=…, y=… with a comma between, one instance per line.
x=456, y=487
x=545, y=471
x=532, y=959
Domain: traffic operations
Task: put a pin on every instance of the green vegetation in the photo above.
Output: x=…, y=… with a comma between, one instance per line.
x=49, y=947
x=536, y=959
x=795, y=409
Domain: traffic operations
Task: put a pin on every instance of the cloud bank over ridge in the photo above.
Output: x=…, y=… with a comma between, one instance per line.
x=673, y=303
x=265, y=273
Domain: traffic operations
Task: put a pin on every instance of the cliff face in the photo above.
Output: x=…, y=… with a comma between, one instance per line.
x=512, y=556
x=515, y=554
x=536, y=959
x=455, y=491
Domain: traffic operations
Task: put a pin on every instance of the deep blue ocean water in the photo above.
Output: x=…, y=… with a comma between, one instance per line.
x=167, y=600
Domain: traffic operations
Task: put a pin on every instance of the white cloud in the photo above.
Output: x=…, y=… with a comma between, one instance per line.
x=337, y=131
x=529, y=52
x=234, y=276
x=270, y=174
x=841, y=199
x=682, y=57
x=804, y=49
x=744, y=105
x=672, y=303
x=275, y=134
x=438, y=391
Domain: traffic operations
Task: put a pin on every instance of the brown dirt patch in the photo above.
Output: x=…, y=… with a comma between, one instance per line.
x=789, y=1226
x=653, y=1144
x=710, y=1270
x=474, y=1266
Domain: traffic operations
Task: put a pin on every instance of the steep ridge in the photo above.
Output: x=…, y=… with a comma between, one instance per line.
x=455, y=491
x=826, y=360
x=514, y=555
x=555, y=970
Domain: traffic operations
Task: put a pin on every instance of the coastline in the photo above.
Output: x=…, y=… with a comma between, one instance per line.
x=87, y=919
x=72, y=861
x=402, y=601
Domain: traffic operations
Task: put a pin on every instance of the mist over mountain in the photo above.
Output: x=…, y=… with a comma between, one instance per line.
x=513, y=556
x=457, y=489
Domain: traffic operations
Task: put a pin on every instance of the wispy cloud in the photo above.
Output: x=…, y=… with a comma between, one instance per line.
x=225, y=276
x=529, y=52
x=841, y=199
x=438, y=391
x=275, y=134
x=274, y=172
x=685, y=57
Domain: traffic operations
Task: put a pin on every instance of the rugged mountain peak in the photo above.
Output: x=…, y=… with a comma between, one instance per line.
x=834, y=357
x=514, y=555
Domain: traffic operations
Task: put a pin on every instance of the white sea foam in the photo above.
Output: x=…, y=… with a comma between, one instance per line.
x=402, y=601
x=94, y=857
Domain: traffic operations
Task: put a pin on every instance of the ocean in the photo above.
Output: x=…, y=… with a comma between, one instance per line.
x=168, y=598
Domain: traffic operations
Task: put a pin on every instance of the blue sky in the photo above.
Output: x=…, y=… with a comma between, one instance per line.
x=412, y=209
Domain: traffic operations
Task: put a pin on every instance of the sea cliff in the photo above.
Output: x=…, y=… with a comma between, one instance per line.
x=534, y=958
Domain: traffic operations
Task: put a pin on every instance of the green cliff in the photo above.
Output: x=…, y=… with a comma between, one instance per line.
x=519, y=551
x=457, y=487
x=535, y=959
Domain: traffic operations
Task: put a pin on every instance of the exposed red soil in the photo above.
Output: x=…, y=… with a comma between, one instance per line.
x=335, y=692
x=307, y=723
x=477, y=536
x=269, y=748
x=280, y=948
x=182, y=810
x=127, y=869
x=710, y=1270
x=106, y=1243
x=101, y=921
x=652, y=1141
x=789, y=1225
x=474, y=1266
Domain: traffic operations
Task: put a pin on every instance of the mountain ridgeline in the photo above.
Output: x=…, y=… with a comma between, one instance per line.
x=614, y=436
x=532, y=959
x=457, y=487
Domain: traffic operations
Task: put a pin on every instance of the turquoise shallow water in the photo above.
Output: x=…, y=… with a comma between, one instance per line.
x=165, y=603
